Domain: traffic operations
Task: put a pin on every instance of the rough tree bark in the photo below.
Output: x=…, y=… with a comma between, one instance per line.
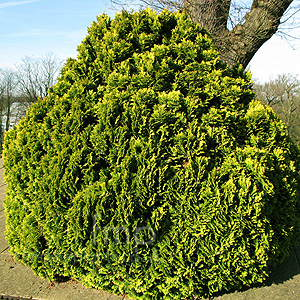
x=241, y=43
x=238, y=45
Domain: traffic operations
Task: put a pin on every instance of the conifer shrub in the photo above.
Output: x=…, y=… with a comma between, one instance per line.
x=150, y=169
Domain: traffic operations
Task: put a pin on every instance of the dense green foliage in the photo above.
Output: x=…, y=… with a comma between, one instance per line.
x=149, y=169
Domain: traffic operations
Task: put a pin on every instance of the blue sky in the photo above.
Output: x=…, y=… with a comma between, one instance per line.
x=38, y=27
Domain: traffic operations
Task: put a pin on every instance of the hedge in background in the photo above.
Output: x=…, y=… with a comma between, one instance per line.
x=149, y=169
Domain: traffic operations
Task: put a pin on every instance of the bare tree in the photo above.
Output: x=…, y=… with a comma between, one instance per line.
x=238, y=28
x=9, y=100
x=283, y=95
x=8, y=95
x=266, y=93
x=2, y=91
x=37, y=75
x=25, y=85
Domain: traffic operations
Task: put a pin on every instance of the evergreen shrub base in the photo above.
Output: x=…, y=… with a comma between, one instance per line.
x=149, y=169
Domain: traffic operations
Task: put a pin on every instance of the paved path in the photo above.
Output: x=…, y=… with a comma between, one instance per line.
x=18, y=280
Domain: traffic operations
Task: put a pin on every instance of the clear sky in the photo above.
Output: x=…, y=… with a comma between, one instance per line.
x=37, y=27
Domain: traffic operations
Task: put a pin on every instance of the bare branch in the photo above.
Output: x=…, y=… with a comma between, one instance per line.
x=283, y=95
x=36, y=76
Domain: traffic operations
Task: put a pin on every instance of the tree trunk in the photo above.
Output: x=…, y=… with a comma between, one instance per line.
x=238, y=46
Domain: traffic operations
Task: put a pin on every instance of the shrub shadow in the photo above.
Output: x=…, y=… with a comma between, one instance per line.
x=285, y=271
x=62, y=279
x=289, y=268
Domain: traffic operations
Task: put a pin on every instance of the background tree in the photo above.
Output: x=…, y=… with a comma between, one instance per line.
x=2, y=88
x=238, y=28
x=23, y=85
x=37, y=75
x=8, y=83
x=283, y=95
